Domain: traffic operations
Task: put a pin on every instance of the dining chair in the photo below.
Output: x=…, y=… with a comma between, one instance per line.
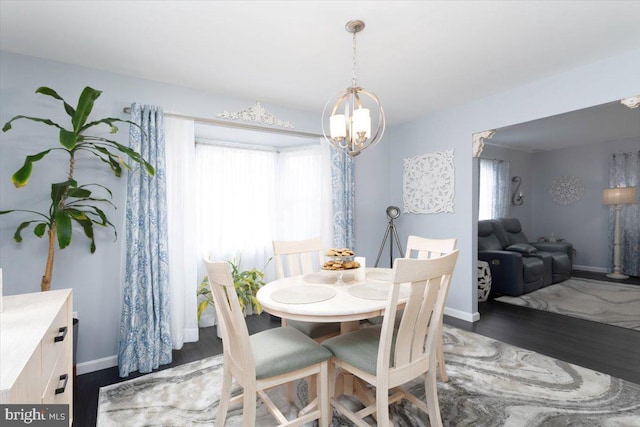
x=298, y=257
x=386, y=357
x=264, y=360
x=425, y=248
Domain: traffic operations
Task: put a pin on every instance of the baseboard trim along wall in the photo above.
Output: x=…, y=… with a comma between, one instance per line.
x=462, y=315
x=97, y=365
x=591, y=269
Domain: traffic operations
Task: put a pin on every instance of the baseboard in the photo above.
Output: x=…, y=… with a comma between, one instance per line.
x=97, y=365
x=462, y=315
x=591, y=269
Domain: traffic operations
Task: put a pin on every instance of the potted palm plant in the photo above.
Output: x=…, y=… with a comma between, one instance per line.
x=72, y=202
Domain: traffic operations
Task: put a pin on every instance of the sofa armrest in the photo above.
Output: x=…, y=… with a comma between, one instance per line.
x=564, y=247
x=506, y=271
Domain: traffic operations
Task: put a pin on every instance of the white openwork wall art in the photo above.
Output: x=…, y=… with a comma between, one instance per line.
x=256, y=113
x=566, y=190
x=428, y=183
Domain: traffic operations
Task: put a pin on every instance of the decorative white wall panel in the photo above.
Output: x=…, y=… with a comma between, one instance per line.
x=566, y=190
x=428, y=183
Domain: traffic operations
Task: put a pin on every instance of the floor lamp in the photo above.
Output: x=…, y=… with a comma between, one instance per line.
x=618, y=197
x=392, y=213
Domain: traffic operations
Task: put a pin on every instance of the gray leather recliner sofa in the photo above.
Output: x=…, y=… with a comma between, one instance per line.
x=557, y=254
x=512, y=273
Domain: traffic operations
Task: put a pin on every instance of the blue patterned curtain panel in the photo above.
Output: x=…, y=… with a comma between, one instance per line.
x=624, y=169
x=343, y=189
x=145, y=326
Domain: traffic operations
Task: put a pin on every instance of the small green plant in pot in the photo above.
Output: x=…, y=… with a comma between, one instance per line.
x=207, y=297
x=246, y=283
x=71, y=202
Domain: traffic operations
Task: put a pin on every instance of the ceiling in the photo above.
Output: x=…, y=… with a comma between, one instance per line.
x=601, y=123
x=418, y=57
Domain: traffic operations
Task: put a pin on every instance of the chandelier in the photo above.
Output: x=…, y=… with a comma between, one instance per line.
x=347, y=115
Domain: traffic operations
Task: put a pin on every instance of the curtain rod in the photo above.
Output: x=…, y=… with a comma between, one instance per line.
x=237, y=125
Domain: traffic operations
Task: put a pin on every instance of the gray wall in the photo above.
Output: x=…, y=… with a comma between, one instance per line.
x=583, y=223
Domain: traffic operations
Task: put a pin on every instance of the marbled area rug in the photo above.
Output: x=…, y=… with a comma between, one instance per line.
x=615, y=304
x=490, y=384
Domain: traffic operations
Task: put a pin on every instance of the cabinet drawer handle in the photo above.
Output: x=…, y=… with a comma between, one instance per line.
x=64, y=378
x=63, y=332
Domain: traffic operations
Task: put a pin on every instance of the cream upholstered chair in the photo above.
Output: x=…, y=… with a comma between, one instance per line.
x=300, y=257
x=424, y=248
x=263, y=360
x=387, y=357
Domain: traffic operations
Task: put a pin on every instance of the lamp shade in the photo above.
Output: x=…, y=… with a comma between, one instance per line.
x=619, y=196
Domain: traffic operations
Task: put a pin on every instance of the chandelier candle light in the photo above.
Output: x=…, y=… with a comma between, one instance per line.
x=349, y=123
x=618, y=197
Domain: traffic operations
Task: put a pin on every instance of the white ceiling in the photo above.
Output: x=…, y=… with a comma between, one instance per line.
x=418, y=57
x=601, y=123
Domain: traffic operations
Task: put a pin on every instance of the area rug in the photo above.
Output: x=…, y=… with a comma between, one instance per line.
x=615, y=304
x=490, y=384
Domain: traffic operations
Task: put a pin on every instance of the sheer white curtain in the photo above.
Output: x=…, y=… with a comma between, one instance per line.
x=247, y=198
x=494, y=189
x=304, y=194
x=183, y=262
x=236, y=215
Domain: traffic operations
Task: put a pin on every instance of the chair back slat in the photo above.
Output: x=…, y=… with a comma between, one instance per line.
x=425, y=248
x=297, y=257
x=231, y=321
x=410, y=320
x=417, y=326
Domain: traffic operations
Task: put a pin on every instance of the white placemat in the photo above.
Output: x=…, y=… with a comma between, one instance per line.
x=374, y=291
x=327, y=277
x=383, y=274
x=304, y=294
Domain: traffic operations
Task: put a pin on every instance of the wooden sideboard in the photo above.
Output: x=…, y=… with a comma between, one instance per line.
x=36, y=349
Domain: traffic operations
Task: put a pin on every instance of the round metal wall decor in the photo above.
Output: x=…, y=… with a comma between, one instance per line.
x=566, y=190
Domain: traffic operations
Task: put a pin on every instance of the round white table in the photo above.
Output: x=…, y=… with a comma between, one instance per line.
x=314, y=297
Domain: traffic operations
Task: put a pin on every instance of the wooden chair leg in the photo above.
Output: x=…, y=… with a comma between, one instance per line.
x=225, y=395
x=249, y=406
x=312, y=382
x=382, y=406
x=442, y=369
x=431, y=394
x=290, y=392
x=322, y=392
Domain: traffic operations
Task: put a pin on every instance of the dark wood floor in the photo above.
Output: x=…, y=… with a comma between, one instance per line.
x=609, y=349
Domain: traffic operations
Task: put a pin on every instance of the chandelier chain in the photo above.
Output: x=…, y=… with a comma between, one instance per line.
x=354, y=79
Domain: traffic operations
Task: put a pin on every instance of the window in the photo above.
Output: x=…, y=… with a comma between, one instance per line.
x=493, y=195
x=247, y=197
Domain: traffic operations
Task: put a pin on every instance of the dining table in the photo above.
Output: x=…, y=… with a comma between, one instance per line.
x=316, y=297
